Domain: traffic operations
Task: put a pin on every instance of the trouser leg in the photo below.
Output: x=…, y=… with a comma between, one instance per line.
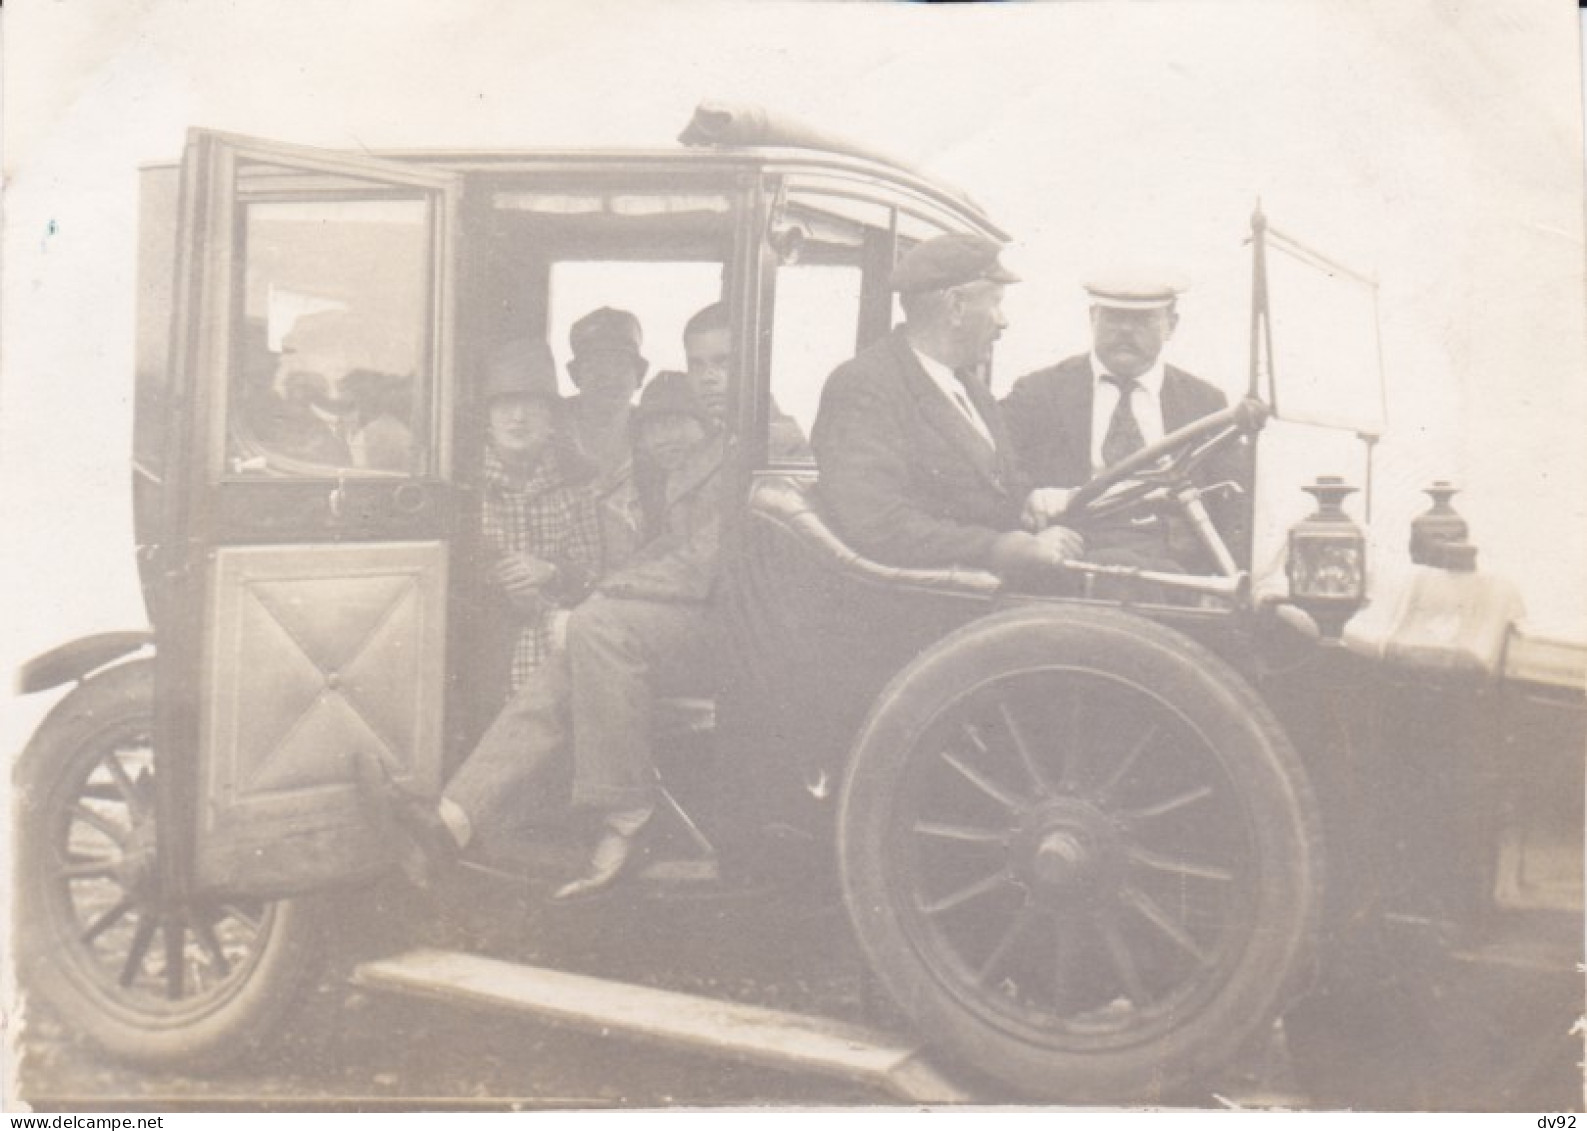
x=530, y=731
x=622, y=654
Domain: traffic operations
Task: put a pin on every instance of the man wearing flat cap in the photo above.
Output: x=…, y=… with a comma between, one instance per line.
x=606, y=368
x=917, y=469
x=1072, y=420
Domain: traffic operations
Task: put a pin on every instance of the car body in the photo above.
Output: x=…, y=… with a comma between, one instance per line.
x=1278, y=820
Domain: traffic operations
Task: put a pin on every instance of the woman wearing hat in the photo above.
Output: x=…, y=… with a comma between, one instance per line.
x=538, y=518
x=540, y=545
x=642, y=633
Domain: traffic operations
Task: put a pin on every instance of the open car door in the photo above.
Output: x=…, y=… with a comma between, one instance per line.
x=302, y=590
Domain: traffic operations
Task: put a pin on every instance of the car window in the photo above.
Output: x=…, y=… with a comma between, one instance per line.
x=835, y=244
x=330, y=373
x=814, y=330
x=664, y=296
x=553, y=247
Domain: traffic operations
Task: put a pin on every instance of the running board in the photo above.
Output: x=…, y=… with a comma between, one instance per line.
x=722, y=1028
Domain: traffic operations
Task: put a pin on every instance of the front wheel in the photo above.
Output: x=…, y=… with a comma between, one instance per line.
x=156, y=982
x=1080, y=853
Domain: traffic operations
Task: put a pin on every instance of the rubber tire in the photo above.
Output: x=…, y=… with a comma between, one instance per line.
x=1262, y=766
x=285, y=957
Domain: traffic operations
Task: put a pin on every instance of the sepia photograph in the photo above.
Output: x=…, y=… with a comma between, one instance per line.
x=794, y=554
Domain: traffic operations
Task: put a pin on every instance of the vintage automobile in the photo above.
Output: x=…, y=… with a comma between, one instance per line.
x=1093, y=843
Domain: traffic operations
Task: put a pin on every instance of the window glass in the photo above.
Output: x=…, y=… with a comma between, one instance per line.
x=813, y=332
x=1327, y=359
x=331, y=370
x=861, y=199
x=836, y=243
x=612, y=204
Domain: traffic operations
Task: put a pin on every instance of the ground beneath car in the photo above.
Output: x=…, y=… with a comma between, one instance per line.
x=351, y=1048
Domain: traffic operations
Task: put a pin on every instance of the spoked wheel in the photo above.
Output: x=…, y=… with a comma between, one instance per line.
x=1080, y=853
x=155, y=981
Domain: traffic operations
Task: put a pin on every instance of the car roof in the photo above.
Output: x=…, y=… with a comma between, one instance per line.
x=779, y=158
x=813, y=157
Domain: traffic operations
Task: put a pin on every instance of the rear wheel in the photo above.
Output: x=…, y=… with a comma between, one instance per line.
x=156, y=981
x=1080, y=853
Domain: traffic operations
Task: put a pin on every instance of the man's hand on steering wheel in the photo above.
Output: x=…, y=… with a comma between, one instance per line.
x=1045, y=506
x=1158, y=467
x=1018, y=553
x=1065, y=544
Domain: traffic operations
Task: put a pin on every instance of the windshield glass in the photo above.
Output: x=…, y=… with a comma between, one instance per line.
x=1326, y=363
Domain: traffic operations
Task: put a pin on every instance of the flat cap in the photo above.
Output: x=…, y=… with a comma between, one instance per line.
x=950, y=261
x=1134, y=289
x=606, y=329
x=522, y=367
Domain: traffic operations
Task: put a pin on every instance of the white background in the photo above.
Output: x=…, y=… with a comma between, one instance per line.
x=1433, y=144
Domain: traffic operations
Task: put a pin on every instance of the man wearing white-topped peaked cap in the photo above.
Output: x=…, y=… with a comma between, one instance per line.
x=1072, y=420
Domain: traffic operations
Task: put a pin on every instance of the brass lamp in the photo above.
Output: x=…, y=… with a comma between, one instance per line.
x=1328, y=558
x=1438, y=525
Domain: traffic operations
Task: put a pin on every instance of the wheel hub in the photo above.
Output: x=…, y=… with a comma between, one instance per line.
x=1062, y=859
x=1069, y=849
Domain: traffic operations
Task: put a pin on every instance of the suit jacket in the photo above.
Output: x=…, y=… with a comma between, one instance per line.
x=906, y=479
x=1049, y=418
x=291, y=429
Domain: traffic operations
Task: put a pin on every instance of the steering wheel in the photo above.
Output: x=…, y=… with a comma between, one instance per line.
x=1150, y=474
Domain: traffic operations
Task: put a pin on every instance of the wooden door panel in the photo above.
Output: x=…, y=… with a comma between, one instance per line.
x=301, y=603
x=315, y=657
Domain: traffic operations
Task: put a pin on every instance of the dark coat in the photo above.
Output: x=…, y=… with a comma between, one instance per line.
x=679, y=558
x=1049, y=418
x=291, y=429
x=905, y=478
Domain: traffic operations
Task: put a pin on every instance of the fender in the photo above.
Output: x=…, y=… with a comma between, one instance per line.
x=77, y=658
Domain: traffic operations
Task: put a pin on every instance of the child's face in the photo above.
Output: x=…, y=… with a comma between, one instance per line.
x=667, y=440
x=520, y=427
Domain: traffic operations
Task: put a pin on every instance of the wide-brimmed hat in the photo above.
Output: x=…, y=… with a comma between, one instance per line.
x=670, y=393
x=522, y=367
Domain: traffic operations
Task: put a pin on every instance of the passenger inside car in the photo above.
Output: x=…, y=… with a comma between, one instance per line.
x=642, y=634
x=606, y=368
x=325, y=406
x=538, y=519
x=708, y=348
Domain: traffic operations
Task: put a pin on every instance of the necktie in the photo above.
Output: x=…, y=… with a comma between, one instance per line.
x=1124, y=431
